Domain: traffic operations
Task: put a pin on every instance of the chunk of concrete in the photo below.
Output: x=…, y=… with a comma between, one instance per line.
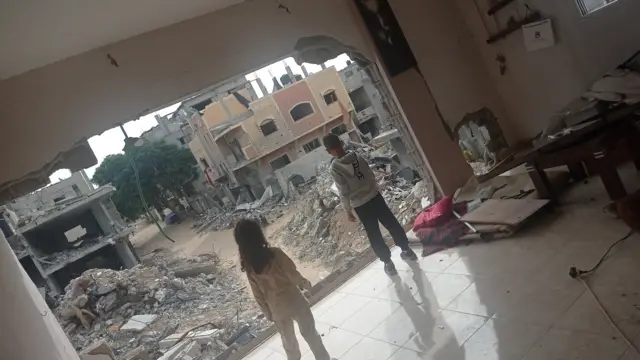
x=201, y=337
x=96, y=357
x=191, y=270
x=138, y=323
x=184, y=350
x=190, y=352
x=139, y=353
x=99, y=348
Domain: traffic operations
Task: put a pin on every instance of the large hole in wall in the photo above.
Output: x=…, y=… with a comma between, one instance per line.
x=481, y=140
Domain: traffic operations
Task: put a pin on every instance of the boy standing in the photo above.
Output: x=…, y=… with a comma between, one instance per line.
x=359, y=192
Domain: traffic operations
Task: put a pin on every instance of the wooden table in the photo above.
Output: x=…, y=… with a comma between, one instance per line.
x=595, y=144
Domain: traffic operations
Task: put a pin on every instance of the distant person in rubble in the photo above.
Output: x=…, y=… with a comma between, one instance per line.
x=276, y=285
x=359, y=192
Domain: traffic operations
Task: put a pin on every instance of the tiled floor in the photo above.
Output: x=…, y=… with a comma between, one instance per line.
x=505, y=300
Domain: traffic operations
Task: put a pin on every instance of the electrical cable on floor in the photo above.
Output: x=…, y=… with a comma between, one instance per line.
x=575, y=273
x=581, y=274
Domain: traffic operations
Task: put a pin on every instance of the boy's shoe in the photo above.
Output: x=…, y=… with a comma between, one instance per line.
x=408, y=255
x=389, y=268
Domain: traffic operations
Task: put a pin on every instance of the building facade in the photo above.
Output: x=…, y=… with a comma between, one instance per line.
x=242, y=140
x=373, y=117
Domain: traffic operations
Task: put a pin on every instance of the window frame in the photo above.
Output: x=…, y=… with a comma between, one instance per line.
x=330, y=92
x=314, y=142
x=279, y=157
x=337, y=126
x=584, y=11
x=264, y=122
x=313, y=111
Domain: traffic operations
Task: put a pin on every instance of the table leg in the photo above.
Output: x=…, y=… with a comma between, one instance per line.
x=540, y=181
x=633, y=142
x=577, y=171
x=609, y=175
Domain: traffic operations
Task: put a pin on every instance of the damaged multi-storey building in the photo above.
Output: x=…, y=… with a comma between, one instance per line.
x=62, y=230
x=247, y=143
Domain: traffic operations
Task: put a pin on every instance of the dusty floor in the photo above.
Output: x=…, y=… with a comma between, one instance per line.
x=147, y=238
x=510, y=299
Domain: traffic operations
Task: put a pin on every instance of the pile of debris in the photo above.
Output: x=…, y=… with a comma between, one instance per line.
x=76, y=249
x=18, y=245
x=150, y=303
x=226, y=219
x=320, y=231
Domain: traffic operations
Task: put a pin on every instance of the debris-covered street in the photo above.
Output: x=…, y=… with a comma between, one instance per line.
x=197, y=282
x=173, y=294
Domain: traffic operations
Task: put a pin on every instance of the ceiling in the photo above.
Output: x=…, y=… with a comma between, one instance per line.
x=35, y=33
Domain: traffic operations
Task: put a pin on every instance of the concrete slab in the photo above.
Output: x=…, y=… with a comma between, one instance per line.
x=184, y=350
x=139, y=353
x=99, y=348
x=191, y=270
x=138, y=323
x=96, y=357
x=201, y=337
x=189, y=352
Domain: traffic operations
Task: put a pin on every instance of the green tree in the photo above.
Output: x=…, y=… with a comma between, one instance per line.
x=165, y=171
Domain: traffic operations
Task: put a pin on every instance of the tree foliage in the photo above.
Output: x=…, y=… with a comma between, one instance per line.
x=165, y=171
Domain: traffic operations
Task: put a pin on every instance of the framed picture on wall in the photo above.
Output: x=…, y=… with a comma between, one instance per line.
x=387, y=35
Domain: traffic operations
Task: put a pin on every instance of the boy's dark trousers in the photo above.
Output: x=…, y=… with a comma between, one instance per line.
x=374, y=211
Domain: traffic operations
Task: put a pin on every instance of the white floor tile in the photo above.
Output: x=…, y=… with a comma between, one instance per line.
x=370, y=316
x=562, y=345
x=370, y=349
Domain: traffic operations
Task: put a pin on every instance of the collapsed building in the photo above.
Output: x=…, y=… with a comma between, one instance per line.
x=60, y=231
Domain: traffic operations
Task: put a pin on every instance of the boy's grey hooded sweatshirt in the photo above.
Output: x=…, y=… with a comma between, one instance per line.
x=354, y=179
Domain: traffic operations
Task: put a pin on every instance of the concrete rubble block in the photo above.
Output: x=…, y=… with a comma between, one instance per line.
x=99, y=348
x=173, y=352
x=190, y=352
x=191, y=270
x=201, y=337
x=184, y=350
x=139, y=353
x=321, y=228
x=96, y=357
x=138, y=323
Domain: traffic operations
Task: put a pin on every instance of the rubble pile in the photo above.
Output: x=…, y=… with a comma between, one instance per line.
x=83, y=247
x=320, y=231
x=227, y=218
x=18, y=245
x=148, y=303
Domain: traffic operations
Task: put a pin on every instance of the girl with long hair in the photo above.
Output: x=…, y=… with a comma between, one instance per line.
x=276, y=284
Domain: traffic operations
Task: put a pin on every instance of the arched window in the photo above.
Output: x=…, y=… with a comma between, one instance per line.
x=301, y=111
x=268, y=127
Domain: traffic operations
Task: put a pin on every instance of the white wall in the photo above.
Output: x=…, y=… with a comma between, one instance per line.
x=450, y=63
x=304, y=166
x=539, y=83
x=31, y=331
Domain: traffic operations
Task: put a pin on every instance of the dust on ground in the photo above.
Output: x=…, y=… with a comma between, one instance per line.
x=188, y=242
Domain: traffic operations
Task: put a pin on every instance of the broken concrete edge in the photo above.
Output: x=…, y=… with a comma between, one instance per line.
x=202, y=337
x=195, y=269
x=100, y=347
x=139, y=353
x=319, y=291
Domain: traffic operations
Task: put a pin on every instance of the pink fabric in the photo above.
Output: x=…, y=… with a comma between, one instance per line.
x=435, y=214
